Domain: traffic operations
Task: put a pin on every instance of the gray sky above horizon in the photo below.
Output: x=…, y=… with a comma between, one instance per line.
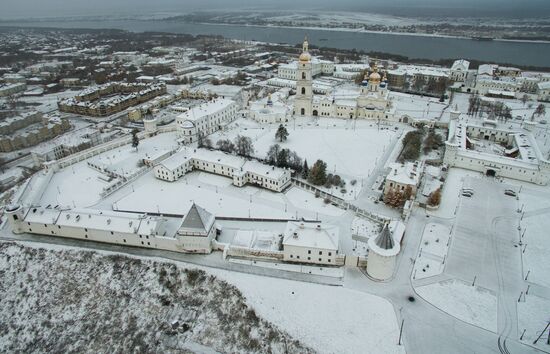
x=54, y=8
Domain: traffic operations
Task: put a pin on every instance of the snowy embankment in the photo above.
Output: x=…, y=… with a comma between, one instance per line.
x=82, y=301
x=329, y=319
x=468, y=303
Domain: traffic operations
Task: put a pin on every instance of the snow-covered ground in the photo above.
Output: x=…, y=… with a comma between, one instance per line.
x=349, y=152
x=81, y=301
x=533, y=316
x=450, y=193
x=148, y=194
x=264, y=240
x=417, y=107
x=306, y=200
x=155, y=196
x=433, y=250
x=329, y=319
x=334, y=272
x=76, y=186
x=80, y=185
x=468, y=303
x=364, y=227
x=536, y=222
x=125, y=159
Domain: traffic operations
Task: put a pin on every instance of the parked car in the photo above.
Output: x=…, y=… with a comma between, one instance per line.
x=510, y=192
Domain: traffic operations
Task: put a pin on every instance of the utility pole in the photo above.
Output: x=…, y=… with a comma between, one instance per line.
x=541, y=333
x=401, y=331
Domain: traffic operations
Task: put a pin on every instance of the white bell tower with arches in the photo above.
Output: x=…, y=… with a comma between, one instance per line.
x=304, y=86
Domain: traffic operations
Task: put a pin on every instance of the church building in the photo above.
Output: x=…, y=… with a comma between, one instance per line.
x=372, y=102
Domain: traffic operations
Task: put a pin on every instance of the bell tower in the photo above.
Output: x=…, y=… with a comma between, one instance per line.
x=304, y=87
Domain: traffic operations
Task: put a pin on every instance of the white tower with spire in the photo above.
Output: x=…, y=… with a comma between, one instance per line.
x=304, y=86
x=383, y=251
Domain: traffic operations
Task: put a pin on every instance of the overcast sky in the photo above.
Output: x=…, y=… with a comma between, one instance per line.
x=48, y=8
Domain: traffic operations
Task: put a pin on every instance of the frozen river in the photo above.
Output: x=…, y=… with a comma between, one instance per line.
x=412, y=46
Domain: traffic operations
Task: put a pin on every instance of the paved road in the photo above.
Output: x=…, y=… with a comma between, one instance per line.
x=486, y=251
x=426, y=328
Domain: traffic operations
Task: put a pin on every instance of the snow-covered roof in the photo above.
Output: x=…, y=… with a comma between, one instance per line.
x=486, y=69
x=203, y=110
x=405, y=174
x=110, y=221
x=217, y=157
x=42, y=215
x=175, y=161
x=387, y=243
x=529, y=153
x=412, y=70
x=94, y=219
x=264, y=170
x=461, y=65
x=310, y=235
x=196, y=222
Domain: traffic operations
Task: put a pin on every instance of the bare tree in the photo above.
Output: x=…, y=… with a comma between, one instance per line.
x=244, y=146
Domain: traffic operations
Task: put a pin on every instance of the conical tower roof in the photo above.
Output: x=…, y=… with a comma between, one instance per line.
x=385, y=240
x=197, y=220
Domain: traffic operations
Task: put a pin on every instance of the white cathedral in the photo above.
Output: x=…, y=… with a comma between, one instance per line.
x=373, y=101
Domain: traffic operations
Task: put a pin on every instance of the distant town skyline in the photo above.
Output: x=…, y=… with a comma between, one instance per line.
x=55, y=8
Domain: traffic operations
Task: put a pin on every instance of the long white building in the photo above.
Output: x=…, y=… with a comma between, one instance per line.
x=240, y=170
x=191, y=234
x=205, y=119
x=318, y=67
x=478, y=148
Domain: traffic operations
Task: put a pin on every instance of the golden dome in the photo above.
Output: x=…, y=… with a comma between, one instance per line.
x=305, y=57
x=374, y=77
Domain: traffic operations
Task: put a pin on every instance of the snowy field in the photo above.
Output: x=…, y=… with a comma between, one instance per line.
x=417, y=107
x=433, y=249
x=364, y=227
x=468, y=303
x=361, y=230
x=155, y=196
x=76, y=186
x=348, y=152
x=125, y=159
x=306, y=200
x=217, y=195
x=80, y=185
x=328, y=319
